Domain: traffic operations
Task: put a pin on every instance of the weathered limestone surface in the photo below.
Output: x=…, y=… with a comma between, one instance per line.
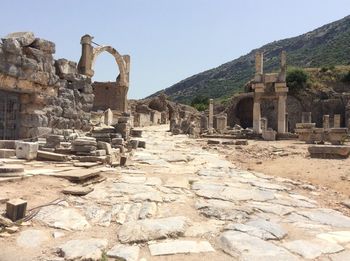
x=196, y=205
x=86, y=249
x=149, y=229
x=51, y=93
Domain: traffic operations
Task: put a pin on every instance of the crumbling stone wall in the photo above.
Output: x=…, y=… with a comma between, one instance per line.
x=53, y=96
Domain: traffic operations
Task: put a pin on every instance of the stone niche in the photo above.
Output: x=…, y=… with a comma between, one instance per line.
x=110, y=95
x=43, y=95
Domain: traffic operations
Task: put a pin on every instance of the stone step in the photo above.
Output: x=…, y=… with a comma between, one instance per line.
x=45, y=155
x=7, y=153
x=11, y=169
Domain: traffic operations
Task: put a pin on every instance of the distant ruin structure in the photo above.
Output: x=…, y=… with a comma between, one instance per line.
x=269, y=86
x=108, y=95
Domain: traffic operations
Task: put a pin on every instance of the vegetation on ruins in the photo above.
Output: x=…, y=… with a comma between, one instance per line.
x=323, y=47
x=296, y=79
x=200, y=103
x=346, y=77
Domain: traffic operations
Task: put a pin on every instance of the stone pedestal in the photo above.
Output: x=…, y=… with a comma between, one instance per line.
x=264, y=123
x=269, y=135
x=27, y=150
x=336, y=121
x=221, y=123
x=306, y=117
x=326, y=122
x=256, y=117
x=281, y=114
x=16, y=209
x=211, y=116
x=336, y=136
x=204, y=122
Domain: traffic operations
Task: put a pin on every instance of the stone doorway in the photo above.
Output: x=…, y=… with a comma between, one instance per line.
x=244, y=112
x=9, y=115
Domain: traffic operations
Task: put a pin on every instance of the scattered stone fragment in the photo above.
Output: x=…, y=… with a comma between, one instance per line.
x=77, y=190
x=86, y=249
x=151, y=229
x=86, y=164
x=172, y=247
x=212, y=142
x=12, y=230
x=124, y=252
x=46, y=155
x=31, y=238
x=6, y=222
x=57, y=234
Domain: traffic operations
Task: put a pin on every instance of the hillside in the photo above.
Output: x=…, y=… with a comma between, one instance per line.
x=326, y=46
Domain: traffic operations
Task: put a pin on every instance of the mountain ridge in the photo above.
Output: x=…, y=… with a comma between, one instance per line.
x=325, y=46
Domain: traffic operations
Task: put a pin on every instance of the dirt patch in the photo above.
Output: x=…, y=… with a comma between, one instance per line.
x=326, y=180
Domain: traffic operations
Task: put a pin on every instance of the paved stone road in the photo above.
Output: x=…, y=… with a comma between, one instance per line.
x=181, y=201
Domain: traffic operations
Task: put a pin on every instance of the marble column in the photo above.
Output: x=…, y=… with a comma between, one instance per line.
x=326, y=122
x=211, y=116
x=281, y=114
x=336, y=121
x=256, y=115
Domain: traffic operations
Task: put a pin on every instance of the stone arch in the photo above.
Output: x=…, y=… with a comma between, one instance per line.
x=241, y=110
x=120, y=60
x=244, y=112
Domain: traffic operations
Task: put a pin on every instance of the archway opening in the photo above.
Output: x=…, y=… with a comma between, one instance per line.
x=244, y=112
x=105, y=83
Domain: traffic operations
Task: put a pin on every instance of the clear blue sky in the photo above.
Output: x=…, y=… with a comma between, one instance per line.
x=167, y=40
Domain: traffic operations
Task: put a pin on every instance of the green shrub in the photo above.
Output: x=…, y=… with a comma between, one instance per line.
x=346, y=78
x=327, y=68
x=200, y=103
x=297, y=79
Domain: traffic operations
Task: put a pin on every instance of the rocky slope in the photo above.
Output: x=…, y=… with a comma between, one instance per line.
x=325, y=46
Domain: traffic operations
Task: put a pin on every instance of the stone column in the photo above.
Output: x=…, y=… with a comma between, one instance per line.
x=283, y=72
x=306, y=117
x=256, y=115
x=336, y=121
x=263, y=123
x=281, y=114
x=211, y=116
x=85, y=62
x=287, y=123
x=326, y=122
x=259, y=66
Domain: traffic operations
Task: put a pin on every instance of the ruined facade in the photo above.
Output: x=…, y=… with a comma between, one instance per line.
x=108, y=95
x=270, y=86
x=38, y=93
x=41, y=95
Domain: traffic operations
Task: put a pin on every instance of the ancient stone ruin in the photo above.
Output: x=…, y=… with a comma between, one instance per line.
x=86, y=174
